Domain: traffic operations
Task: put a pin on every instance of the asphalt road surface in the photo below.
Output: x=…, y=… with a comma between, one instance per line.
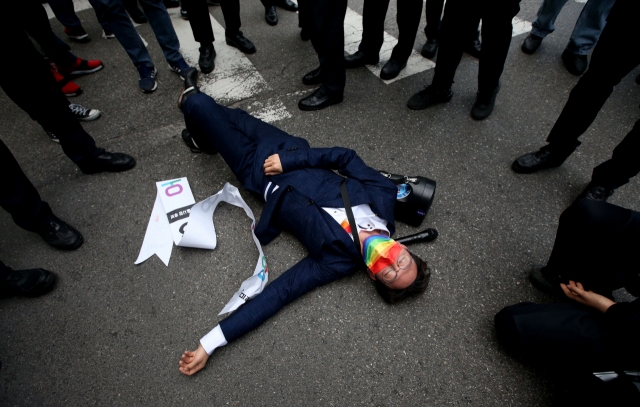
x=111, y=332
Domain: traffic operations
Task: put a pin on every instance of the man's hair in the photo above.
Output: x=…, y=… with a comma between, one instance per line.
x=420, y=284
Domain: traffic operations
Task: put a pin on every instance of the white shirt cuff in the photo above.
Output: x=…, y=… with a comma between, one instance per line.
x=213, y=340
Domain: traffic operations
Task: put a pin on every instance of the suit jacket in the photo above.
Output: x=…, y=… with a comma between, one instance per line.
x=306, y=185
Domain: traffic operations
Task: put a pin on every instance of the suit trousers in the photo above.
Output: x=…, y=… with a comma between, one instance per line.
x=408, y=19
x=596, y=244
x=201, y=23
x=40, y=96
x=35, y=21
x=460, y=24
x=325, y=21
x=612, y=59
x=19, y=197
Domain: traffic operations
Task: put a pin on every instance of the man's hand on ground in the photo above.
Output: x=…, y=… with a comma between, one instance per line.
x=193, y=362
x=576, y=292
x=272, y=165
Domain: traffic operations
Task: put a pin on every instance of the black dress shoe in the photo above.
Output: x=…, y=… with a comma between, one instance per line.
x=595, y=192
x=392, y=69
x=531, y=44
x=545, y=281
x=287, y=5
x=319, y=100
x=238, y=40
x=430, y=48
x=270, y=15
x=171, y=3
x=575, y=64
x=358, y=59
x=537, y=160
x=190, y=86
x=183, y=13
x=111, y=162
x=485, y=102
x=27, y=283
x=429, y=96
x=61, y=235
x=314, y=77
x=473, y=48
x=207, y=58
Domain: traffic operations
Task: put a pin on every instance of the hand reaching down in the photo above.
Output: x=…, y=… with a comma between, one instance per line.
x=192, y=362
x=576, y=292
x=272, y=165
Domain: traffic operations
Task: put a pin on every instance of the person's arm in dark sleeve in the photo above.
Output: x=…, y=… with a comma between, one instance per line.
x=622, y=329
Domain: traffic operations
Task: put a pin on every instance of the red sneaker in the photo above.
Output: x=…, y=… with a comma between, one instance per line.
x=68, y=88
x=81, y=67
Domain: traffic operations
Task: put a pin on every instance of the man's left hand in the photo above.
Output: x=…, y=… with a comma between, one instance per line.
x=272, y=165
x=576, y=292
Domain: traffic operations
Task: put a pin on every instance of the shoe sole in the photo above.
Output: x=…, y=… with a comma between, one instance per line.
x=448, y=99
x=81, y=39
x=86, y=71
x=90, y=118
x=314, y=108
x=77, y=93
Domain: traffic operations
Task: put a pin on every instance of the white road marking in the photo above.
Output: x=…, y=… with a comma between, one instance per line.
x=269, y=111
x=353, y=34
x=520, y=26
x=78, y=5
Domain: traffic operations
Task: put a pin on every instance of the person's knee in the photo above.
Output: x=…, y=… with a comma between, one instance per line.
x=507, y=331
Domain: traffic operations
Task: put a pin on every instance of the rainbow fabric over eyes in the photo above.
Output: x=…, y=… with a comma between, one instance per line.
x=380, y=252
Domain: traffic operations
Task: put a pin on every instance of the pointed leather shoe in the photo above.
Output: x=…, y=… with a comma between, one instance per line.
x=270, y=15
x=595, y=192
x=287, y=5
x=318, y=100
x=190, y=87
x=429, y=96
x=27, y=283
x=575, y=64
x=61, y=235
x=536, y=161
x=108, y=162
x=392, y=69
x=207, y=58
x=531, y=44
x=430, y=48
x=314, y=77
x=238, y=40
x=358, y=59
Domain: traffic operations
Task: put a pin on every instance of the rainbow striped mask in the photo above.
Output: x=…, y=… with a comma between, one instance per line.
x=380, y=252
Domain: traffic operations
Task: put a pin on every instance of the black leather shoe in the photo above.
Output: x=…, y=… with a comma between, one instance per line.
x=543, y=281
x=111, y=162
x=238, y=40
x=484, y=104
x=270, y=15
x=27, y=283
x=318, y=100
x=183, y=13
x=287, y=5
x=429, y=96
x=61, y=235
x=190, y=86
x=536, y=161
x=595, y=192
x=575, y=64
x=207, y=58
x=314, y=77
x=473, y=48
x=358, y=59
x=531, y=44
x=392, y=69
x=430, y=48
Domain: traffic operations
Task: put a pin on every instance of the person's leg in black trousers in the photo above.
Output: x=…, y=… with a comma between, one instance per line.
x=325, y=20
x=596, y=244
x=19, y=197
x=433, y=15
x=373, y=16
x=623, y=165
x=270, y=13
x=611, y=61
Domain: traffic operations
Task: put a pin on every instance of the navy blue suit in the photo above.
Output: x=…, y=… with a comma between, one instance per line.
x=306, y=185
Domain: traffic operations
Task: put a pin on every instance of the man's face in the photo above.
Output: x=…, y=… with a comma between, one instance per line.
x=400, y=274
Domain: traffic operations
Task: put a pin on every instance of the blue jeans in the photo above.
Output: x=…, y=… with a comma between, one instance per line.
x=113, y=13
x=588, y=27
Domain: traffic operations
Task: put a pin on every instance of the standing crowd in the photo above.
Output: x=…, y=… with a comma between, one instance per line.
x=588, y=341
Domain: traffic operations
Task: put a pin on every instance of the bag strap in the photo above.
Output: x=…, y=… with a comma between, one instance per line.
x=350, y=218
